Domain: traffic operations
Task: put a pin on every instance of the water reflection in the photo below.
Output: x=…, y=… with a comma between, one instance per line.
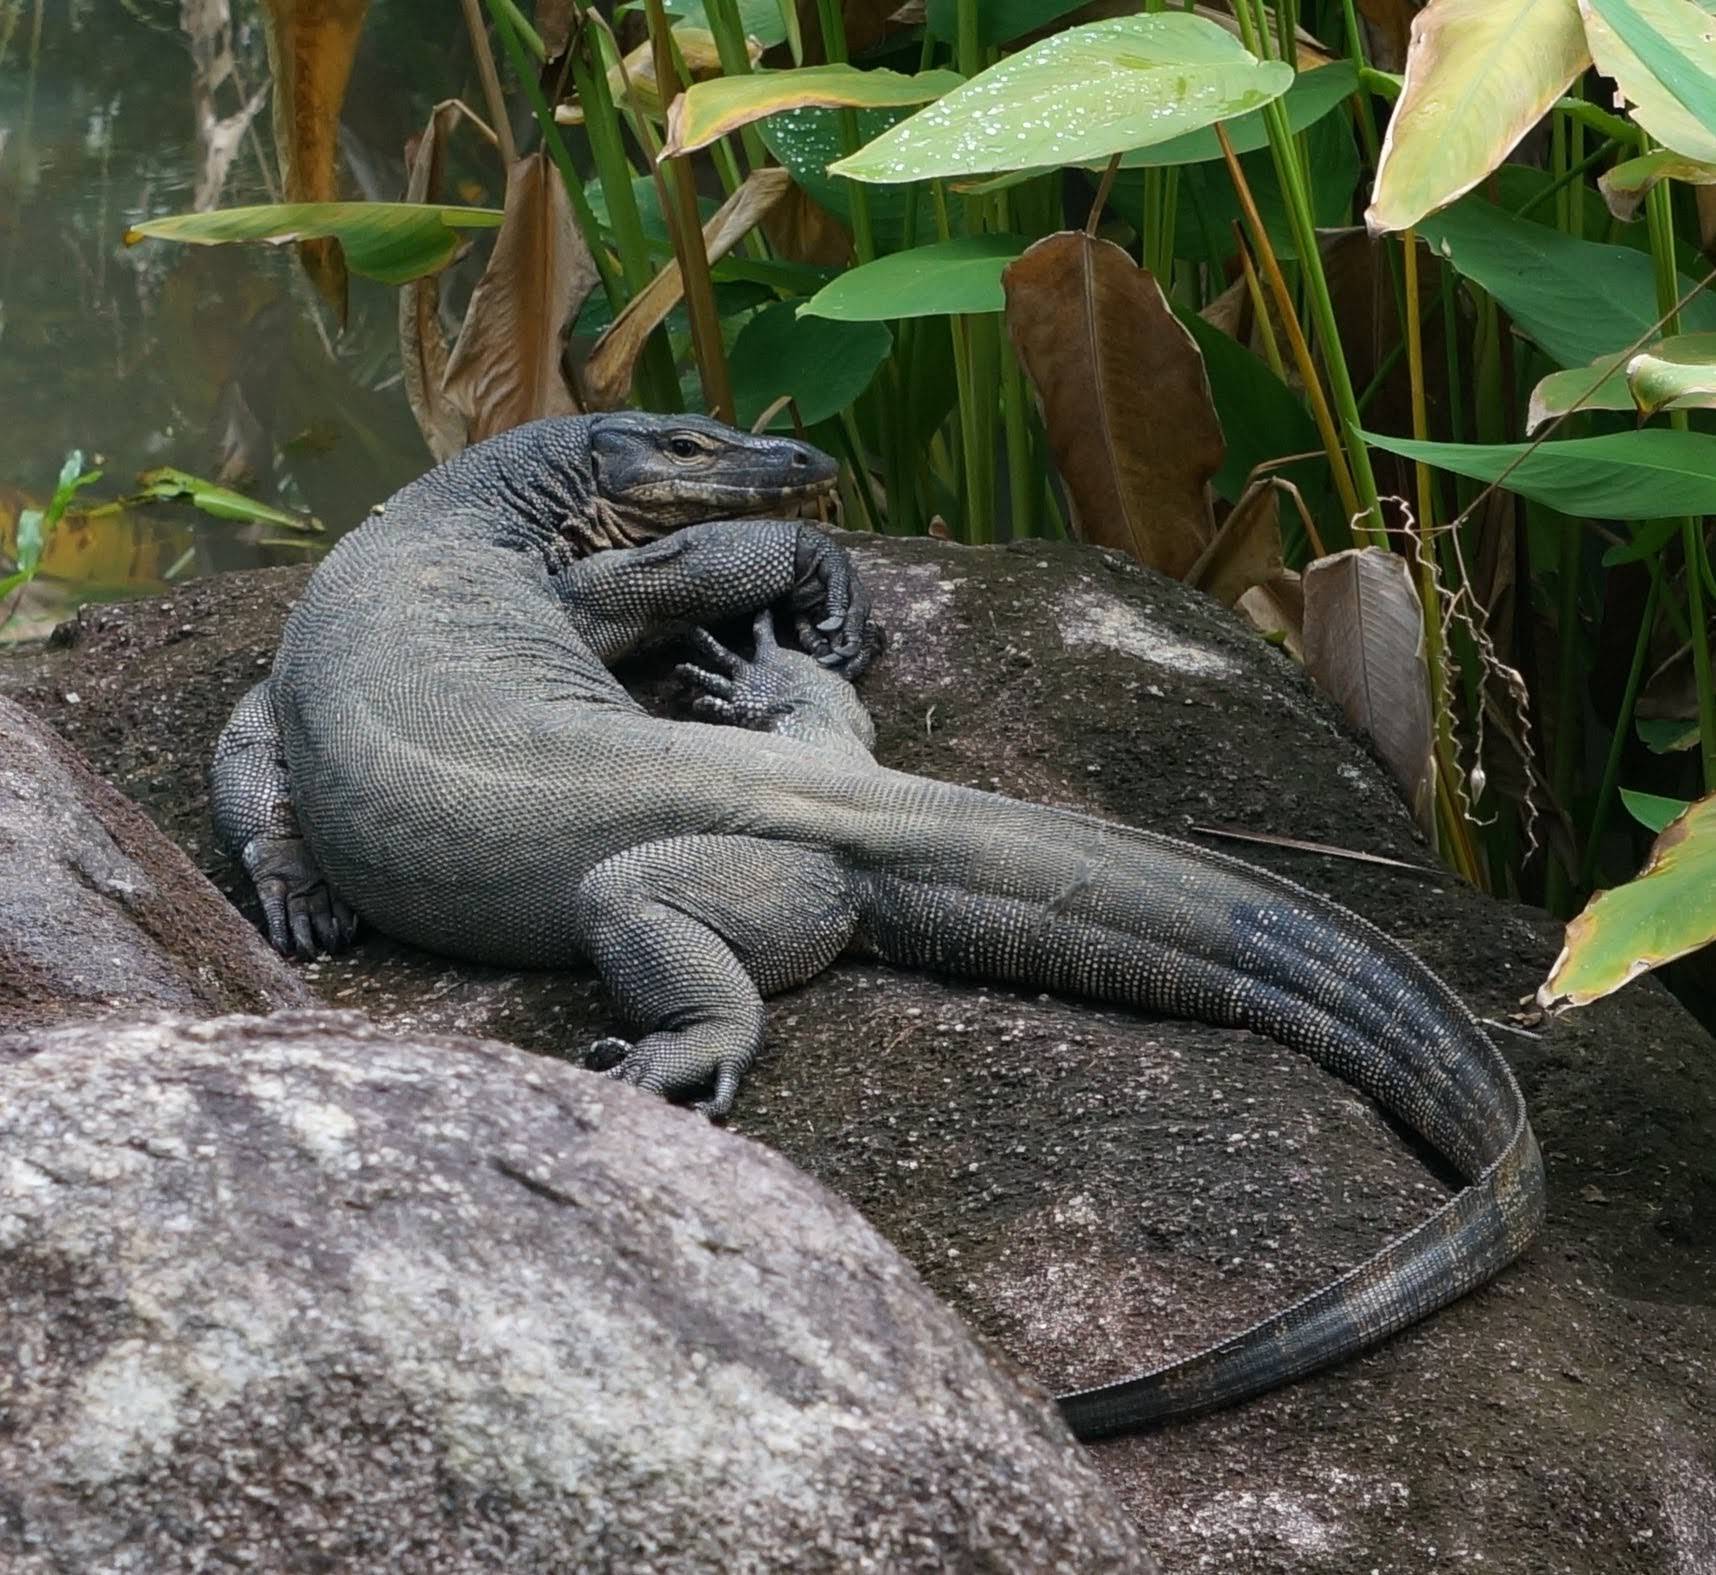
x=207, y=359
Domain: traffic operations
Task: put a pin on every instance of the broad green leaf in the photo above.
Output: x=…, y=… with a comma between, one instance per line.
x=1479, y=75
x=1313, y=95
x=394, y=242
x=1624, y=187
x=807, y=141
x=823, y=364
x=1623, y=476
x=961, y=275
x=1666, y=912
x=166, y=484
x=1645, y=539
x=1666, y=735
x=712, y=109
x=1081, y=95
x=1651, y=810
x=1678, y=374
x=1578, y=299
x=1662, y=53
x=762, y=20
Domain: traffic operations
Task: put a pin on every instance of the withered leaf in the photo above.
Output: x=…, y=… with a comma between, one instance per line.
x=422, y=344
x=1246, y=551
x=505, y=367
x=1124, y=395
x=1364, y=646
x=311, y=46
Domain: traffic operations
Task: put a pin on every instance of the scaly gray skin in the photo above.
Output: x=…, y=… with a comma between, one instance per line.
x=473, y=779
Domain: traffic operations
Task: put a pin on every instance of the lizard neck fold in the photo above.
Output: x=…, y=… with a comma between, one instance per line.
x=535, y=487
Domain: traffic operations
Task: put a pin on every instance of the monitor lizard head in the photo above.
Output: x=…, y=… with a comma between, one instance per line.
x=655, y=473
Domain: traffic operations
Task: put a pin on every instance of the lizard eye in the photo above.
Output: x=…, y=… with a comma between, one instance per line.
x=684, y=447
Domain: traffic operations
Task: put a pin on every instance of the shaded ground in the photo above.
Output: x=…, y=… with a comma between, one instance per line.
x=1093, y=1191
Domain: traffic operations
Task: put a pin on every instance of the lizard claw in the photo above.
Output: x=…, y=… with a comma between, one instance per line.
x=304, y=916
x=663, y=1067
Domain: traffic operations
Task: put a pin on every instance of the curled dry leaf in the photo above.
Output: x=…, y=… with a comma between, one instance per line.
x=608, y=371
x=422, y=344
x=1124, y=395
x=311, y=46
x=1246, y=551
x=505, y=367
x=1364, y=646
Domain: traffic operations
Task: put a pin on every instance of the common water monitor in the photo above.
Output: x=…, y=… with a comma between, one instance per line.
x=469, y=776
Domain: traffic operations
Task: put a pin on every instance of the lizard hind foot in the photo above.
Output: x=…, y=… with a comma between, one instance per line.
x=304, y=915
x=665, y=1064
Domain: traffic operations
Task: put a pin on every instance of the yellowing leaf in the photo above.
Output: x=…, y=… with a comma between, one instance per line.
x=1124, y=395
x=697, y=49
x=1678, y=374
x=1672, y=94
x=1668, y=910
x=708, y=110
x=311, y=46
x=1479, y=75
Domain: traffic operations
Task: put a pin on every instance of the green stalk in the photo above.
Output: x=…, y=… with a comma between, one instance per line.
x=1302, y=219
x=1659, y=211
x=1366, y=111
x=968, y=49
x=1623, y=722
x=729, y=33
x=834, y=48
x=658, y=383
x=1559, y=878
x=556, y=146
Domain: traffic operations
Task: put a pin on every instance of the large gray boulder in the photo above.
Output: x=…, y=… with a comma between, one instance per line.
x=100, y=914
x=1094, y=1191
x=293, y=1294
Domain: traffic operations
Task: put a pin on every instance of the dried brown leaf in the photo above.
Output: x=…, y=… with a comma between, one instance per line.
x=612, y=361
x=1246, y=551
x=311, y=46
x=505, y=368
x=800, y=229
x=1276, y=609
x=422, y=343
x=1364, y=646
x=1124, y=395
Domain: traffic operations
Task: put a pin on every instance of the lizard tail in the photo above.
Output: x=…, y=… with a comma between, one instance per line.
x=1011, y=892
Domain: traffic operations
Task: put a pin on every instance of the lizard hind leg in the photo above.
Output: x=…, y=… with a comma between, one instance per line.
x=689, y=934
x=250, y=795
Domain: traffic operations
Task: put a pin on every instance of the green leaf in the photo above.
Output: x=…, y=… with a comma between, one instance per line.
x=166, y=484
x=1668, y=911
x=1651, y=810
x=807, y=141
x=1666, y=735
x=1579, y=300
x=1666, y=65
x=823, y=364
x=394, y=242
x=961, y=275
x=72, y=480
x=1081, y=95
x=1313, y=95
x=1623, y=476
x=1645, y=540
x=761, y=19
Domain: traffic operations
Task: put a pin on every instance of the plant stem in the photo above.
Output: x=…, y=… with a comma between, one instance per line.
x=556, y=146
x=685, y=222
x=1623, y=721
x=490, y=79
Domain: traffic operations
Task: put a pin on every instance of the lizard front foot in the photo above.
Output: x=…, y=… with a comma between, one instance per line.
x=741, y=693
x=669, y=1064
x=303, y=914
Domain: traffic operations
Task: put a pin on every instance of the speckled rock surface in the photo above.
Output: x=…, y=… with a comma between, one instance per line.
x=99, y=913
x=1095, y=1191
x=289, y=1294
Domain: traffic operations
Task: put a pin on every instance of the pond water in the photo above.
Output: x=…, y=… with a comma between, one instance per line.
x=214, y=360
